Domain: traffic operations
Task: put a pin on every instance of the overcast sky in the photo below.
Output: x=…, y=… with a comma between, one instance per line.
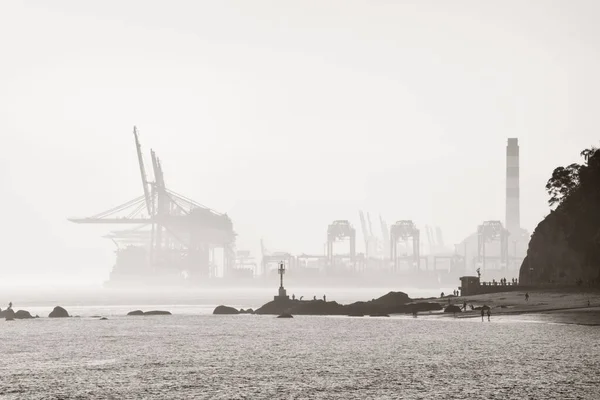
x=286, y=115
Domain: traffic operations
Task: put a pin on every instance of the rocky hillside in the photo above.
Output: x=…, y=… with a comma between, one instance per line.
x=565, y=246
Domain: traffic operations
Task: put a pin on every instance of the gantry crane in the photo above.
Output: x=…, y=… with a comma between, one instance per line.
x=182, y=232
x=340, y=231
x=405, y=230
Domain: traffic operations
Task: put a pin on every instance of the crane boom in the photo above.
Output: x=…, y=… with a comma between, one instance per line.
x=142, y=171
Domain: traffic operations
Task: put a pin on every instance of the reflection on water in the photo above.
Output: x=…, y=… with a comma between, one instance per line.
x=247, y=356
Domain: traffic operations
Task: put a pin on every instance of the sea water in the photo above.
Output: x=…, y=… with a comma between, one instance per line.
x=195, y=355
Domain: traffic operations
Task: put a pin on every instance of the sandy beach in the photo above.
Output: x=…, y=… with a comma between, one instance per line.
x=560, y=305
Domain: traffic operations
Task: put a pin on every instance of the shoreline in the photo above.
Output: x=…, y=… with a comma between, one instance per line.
x=568, y=306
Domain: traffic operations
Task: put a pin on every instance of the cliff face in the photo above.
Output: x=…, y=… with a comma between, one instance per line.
x=550, y=258
x=565, y=246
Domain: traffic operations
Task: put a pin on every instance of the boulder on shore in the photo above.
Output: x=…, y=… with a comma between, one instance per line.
x=224, y=310
x=286, y=315
x=58, y=312
x=452, y=309
x=9, y=314
x=22, y=314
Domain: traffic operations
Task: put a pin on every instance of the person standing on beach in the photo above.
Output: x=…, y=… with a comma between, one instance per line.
x=489, y=314
x=482, y=314
x=526, y=296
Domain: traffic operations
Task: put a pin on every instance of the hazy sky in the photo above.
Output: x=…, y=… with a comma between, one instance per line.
x=286, y=115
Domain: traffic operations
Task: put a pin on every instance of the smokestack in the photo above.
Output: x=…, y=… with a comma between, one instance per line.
x=513, y=215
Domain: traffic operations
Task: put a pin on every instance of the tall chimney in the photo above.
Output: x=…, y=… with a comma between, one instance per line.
x=513, y=215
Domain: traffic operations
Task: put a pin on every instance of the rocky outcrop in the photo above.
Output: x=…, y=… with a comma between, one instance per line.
x=58, y=312
x=224, y=310
x=391, y=303
x=248, y=311
x=140, y=312
x=452, y=309
x=564, y=249
x=9, y=314
x=157, y=312
x=550, y=258
x=22, y=314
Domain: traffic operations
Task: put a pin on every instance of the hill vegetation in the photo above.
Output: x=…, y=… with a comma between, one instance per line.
x=565, y=246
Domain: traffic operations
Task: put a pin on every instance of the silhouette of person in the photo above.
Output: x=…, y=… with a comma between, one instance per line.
x=465, y=305
x=315, y=298
x=489, y=313
x=482, y=314
x=526, y=296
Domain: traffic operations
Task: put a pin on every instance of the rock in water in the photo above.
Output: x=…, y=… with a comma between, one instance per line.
x=58, y=312
x=286, y=315
x=22, y=314
x=136, y=312
x=157, y=312
x=9, y=314
x=452, y=309
x=103, y=319
x=224, y=310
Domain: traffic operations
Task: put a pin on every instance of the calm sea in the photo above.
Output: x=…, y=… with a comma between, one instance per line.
x=195, y=355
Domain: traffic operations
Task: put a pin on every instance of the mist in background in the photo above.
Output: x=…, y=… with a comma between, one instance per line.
x=285, y=115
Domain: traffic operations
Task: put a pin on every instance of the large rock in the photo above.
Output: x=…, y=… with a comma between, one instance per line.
x=22, y=314
x=157, y=312
x=391, y=303
x=452, y=309
x=564, y=248
x=58, y=312
x=224, y=310
x=9, y=314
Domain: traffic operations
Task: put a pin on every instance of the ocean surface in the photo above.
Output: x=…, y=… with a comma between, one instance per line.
x=195, y=355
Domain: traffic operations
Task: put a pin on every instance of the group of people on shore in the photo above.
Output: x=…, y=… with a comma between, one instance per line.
x=314, y=298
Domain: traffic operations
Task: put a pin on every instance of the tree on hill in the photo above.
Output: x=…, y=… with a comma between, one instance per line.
x=575, y=191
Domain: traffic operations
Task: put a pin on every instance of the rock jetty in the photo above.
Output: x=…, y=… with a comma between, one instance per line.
x=391, y=303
